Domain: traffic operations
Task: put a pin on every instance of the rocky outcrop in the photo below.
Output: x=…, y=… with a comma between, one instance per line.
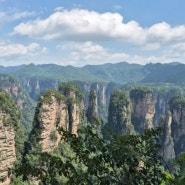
x=58, y=109
x=11, y=86
x=53, y=115
x=143, y=103
x=7, y=149
x=92, y=111
x=24, y=102
x=167, y=143
x=177, y=107
x=36, y=86
x=119, y=117
x=10, y=134
x=103, y=92
x=163, y=96
x=75, y=111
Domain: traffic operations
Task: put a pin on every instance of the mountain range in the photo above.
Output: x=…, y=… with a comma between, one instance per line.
x=120, y=73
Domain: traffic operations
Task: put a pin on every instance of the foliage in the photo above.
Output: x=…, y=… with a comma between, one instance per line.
x=70, y=87
x=119, y=113
x=53, y=136
x=166, y=73
x=12, y=119
x=124, y=160
x=121, y=73
x=176, y=101
x=47, y=96
x=140, y=92
x=24, y=102
x=92, y=110
x=179, y=164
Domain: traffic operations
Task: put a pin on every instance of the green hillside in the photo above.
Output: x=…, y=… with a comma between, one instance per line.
x=167, y=73
x=120, y=73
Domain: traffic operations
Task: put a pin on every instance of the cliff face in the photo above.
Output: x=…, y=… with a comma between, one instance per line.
x=177, y=107
x=11, y=86
x=143, y=103
x=75, y=108
x=168, y=152
x=92, y=111
x=10, y=133
x=24, y=102
x=119, y=117
x=57, y=110
x=7, y=149
x=53, y=115
x=103, y=92
x=163, y=96
x=35, y=86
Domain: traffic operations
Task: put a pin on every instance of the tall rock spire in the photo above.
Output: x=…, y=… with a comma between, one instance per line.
x=92, y=111
x=143, y=103
x=119, y=118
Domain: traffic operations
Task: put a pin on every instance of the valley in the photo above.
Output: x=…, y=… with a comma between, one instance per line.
x=51, y=100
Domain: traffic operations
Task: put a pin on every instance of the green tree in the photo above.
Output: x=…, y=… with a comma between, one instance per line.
x=124, y=160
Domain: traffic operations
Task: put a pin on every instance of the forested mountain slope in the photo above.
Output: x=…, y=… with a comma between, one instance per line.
x=121, y=73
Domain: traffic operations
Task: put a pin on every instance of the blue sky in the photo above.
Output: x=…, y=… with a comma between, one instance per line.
x=81, y=32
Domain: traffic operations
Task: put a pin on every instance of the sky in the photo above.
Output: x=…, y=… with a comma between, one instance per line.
x=82, y=32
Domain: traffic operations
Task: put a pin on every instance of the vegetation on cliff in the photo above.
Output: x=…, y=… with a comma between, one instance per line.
x=87, y=158
x=177, y=101
x=119, y=123
x=68, y=88
x=119, y=113
x=25, y=104
x=140, y=92
x=12, y=118
x=92, y=110
x=12, y=136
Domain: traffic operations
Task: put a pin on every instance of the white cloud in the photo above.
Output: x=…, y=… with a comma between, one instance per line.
x=164, y=33
x=12, y=16
x=17, y=50
x=79, y=54
x=83, y=53
x=84, y=25
x=151, y=46
x=76, y=54
x=176, y=52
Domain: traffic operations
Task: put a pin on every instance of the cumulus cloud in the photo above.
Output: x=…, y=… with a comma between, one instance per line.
x=85, y=25
x=164, y=33
x=17, y=50
x=89, y=53
x=160, y=42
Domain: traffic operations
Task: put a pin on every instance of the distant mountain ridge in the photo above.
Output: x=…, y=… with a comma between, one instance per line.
x=120, y=73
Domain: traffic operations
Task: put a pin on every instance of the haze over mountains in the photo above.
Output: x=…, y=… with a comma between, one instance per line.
x=121, y=73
